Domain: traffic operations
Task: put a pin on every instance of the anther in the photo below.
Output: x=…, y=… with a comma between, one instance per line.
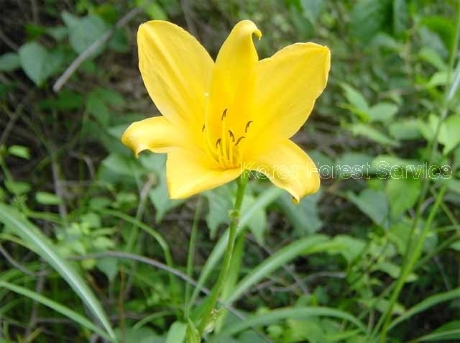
x=231, y=135
x=218, y=142
x=224, y=114
x=247, y=126
x=239, y=140
x=202, y=129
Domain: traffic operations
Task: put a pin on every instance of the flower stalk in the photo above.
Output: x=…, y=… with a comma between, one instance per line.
x=235, y=216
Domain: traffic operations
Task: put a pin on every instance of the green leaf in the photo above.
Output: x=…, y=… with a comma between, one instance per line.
x=372, y=203
x=402, y=194
x=383, y=112
x=368, y=17
x=83, y=32
x=109, y=266
x=46, y=250
x=192, y=334
x=357, y=101
x=46, y=198
x=400, y=16
x=373, y=134
x=447, y=332
x=312, y=9
x=300, y=247
x=69, y=313
x=449, y=134
x=17, y=187
x=426, y=304
x=219, y=202
x=405, y=129
x=19, y=151
x=176, y=333
x=301, y=313
x=9, y=62
x=303, y=216
x=38, y=63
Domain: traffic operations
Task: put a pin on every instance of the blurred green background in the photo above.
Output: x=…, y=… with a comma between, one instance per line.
x=92, y=249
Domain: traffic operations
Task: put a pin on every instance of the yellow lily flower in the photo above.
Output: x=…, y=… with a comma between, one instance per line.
x=220, y=119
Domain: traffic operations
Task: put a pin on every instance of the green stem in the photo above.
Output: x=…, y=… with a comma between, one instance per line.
x=414, y=254
x=191, y=254
x=234, y=221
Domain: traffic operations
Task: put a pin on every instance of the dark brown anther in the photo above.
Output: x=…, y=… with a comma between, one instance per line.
x=239, y=140
x=218, y=142
x=202, y=129
x=247, y=126
x=231, y=135
x=224, y=114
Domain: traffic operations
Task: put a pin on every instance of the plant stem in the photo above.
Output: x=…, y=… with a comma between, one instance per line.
x=234, y=221
x=191, y=254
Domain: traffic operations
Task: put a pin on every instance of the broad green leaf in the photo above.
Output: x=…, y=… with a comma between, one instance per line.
x=368, y=17
x=176, y=333
x=304, y=216
x=83, y=32
x=405, y=129
x=46, y=250
x=372, y=203
x=9, y=61
x=38, y=63
x=69, y=313
x=402, y=194
x=383, y=112
x=312, y=9
x=356, y=100
x=449, y=134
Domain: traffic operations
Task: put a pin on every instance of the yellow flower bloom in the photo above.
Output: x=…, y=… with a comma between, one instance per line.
x=224, y=117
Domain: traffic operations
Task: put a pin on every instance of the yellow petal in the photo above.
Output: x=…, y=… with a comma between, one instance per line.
x=189, y=173
x=176, y=71
x=288, y=167
x=288, y=84
x=233, y=79
x=155, y=134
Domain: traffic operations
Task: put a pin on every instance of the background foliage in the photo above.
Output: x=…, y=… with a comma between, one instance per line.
x=93, y=250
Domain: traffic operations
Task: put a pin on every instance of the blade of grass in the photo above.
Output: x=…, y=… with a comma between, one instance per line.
x=291, y=313
x=288, y=253
x=425, y=304
x=13, y=219
x=76, y=317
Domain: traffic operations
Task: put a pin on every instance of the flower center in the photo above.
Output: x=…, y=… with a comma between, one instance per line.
x=228, y=147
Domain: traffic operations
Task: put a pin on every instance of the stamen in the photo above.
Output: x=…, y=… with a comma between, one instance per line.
x=231, y=135
x=218, y=142
x=224, y=114
x=247, y=126
x=239, y=140
x=202, y=129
